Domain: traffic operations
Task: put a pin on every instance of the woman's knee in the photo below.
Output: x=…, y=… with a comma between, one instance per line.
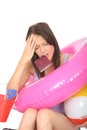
x=43, y=118
x=30, y=113
x=28, y=120
x=43, y=113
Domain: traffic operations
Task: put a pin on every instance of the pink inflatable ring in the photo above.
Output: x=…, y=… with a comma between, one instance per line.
x=59, y=85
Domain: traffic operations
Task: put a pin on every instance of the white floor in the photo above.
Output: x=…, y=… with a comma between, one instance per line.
x=14, y=120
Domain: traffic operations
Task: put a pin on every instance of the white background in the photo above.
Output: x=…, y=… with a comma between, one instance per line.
x=67, y=18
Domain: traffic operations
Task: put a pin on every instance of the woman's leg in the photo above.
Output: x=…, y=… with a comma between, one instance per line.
x=28, y=120
x=50, y=120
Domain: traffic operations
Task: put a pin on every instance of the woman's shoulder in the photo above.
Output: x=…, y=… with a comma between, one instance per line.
x=69, y=56
x=65, y=57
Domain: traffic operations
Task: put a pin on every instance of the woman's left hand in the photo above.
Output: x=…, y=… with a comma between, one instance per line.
x=84, y=124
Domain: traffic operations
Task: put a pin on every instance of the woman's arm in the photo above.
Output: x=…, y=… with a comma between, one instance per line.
x=24, y=67
x=20, y=76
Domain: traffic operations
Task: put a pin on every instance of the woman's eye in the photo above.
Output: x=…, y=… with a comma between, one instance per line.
x=37, y=47
x=45, y=43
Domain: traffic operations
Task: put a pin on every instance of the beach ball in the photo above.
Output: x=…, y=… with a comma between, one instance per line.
x=76, y=107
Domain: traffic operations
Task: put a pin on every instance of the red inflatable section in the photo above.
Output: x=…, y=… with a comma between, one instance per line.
x=5, y=107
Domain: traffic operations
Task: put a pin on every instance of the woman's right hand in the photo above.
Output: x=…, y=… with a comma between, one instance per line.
x=11, y=93
x=29, y=49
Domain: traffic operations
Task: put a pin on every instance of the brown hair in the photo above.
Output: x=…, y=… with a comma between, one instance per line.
x=44, y=30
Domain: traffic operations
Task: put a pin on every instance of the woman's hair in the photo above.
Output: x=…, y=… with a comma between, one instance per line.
x=44, y=30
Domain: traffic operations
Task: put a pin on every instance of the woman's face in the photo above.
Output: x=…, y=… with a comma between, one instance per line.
x=43, y=48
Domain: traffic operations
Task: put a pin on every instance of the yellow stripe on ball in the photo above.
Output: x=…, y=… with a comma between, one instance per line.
x=82, y=92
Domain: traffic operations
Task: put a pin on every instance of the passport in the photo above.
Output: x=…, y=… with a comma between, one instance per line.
x=42, y=63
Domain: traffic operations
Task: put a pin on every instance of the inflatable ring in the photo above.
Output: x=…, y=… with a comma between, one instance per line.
x=59, y=85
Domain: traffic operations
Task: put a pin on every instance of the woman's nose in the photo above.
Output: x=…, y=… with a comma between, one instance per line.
x=42, y=49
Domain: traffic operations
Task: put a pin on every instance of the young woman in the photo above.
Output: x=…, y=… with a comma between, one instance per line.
x=40, y=41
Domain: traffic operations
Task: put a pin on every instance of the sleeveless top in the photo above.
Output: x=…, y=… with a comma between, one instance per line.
x=58, y=107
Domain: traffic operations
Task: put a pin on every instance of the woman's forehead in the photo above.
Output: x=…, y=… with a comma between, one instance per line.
x=39, y=39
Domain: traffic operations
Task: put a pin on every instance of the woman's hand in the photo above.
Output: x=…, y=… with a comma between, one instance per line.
x=29, y=49
x=84, y=124
x=11, y=93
